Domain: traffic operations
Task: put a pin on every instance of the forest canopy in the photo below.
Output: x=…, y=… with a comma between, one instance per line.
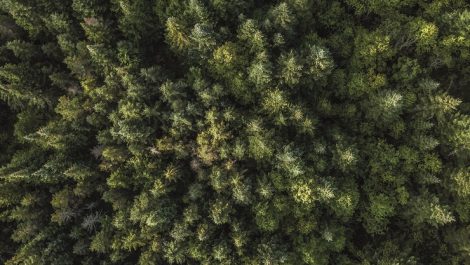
x=230, y=132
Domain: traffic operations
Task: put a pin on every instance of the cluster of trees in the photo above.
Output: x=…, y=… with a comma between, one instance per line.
x=235, y=132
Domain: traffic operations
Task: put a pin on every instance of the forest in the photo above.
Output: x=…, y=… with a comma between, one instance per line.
x=235, y=132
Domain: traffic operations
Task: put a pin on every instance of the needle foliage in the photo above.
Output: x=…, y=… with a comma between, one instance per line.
x=247, y=132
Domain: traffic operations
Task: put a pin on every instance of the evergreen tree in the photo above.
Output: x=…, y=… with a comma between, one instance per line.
x=234, y=132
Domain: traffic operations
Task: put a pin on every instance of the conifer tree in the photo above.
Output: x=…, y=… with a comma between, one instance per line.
x=234, y=132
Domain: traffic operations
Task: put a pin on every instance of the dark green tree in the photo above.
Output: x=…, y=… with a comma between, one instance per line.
x=234, y=132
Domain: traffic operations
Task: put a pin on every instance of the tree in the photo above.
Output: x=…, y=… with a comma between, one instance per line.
x=234, y=132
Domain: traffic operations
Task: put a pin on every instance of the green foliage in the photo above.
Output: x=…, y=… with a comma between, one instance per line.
x=234, y=132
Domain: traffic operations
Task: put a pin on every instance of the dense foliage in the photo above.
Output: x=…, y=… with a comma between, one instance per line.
x=235, y=132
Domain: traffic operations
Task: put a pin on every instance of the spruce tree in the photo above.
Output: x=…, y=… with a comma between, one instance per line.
x=234, y=132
